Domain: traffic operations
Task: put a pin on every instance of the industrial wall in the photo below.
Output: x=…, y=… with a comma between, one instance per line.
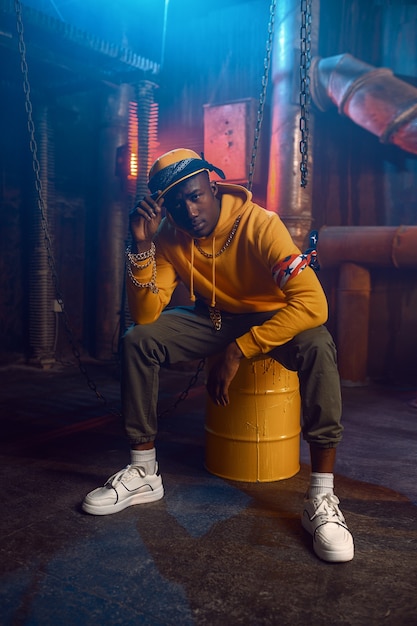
x=211, y=59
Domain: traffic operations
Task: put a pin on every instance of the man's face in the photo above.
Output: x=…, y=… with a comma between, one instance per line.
x=193, y=205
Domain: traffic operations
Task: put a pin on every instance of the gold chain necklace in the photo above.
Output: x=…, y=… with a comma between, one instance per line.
x=226, y=245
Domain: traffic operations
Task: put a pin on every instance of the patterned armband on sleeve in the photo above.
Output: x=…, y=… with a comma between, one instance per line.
x=294, y=264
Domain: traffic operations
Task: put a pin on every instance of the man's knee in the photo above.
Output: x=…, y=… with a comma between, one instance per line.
x=128, y=339
x=317, y=344
x=319, y=336
x=136, y=336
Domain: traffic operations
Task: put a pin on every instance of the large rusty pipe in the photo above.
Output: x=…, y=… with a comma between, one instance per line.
x=145, y=91
x=42, y=319
x=372, y=97
x=356, y=249
x=112, y=218
x=373, y=246
x=353, y=306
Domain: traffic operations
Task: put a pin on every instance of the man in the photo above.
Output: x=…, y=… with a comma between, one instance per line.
x=254, y=295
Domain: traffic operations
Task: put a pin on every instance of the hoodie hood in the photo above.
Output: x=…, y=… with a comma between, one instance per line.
x=234, y=201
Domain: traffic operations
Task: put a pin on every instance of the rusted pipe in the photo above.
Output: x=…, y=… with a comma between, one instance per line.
x=372, y=97
x=373, y=246
x=355, y=249
x=353, y=304
x=42, y=319
x=145, y=94
x=112, y=219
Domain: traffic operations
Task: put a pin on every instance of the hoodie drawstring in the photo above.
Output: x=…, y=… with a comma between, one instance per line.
x=192, y=294
x=213, y=257
x=213, y=273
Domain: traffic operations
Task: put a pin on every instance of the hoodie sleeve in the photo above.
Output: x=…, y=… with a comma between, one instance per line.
x=305, y=303
x=306, y=308
x=145, y=304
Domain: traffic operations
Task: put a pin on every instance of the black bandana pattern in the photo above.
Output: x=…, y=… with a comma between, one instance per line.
x=173, y=174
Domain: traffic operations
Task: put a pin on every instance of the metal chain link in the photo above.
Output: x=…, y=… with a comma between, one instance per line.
x=184, y=395
x=41, y=205
x=262, y=96
x=305, y=98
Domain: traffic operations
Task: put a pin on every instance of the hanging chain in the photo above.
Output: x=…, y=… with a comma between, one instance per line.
x=305, y=99
x=41, y=204
x=184, y=395
x=262, y=96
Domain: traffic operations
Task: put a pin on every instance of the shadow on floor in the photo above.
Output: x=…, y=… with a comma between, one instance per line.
x=213, y=551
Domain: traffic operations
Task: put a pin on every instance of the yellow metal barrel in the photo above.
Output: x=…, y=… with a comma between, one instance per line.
x=256, y=438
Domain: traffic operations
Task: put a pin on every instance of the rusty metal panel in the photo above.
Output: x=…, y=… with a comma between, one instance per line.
x=228, y=137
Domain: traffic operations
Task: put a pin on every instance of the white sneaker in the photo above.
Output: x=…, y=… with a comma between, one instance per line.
x=323, y=519
x=125, y=488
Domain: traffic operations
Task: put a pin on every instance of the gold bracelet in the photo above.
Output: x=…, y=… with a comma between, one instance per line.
x=140, y=266
x=140, y=256
x=150, y=284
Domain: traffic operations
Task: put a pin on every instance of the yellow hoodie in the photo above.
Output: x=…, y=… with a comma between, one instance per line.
x=240, y=280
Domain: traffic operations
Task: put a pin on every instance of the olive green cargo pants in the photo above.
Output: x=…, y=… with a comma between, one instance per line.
x=187, y=333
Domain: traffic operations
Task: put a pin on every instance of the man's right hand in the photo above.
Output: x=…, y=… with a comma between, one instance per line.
x=144, y=221
x=222, y=373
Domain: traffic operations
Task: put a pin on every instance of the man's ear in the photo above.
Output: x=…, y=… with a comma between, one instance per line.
x=214, y=187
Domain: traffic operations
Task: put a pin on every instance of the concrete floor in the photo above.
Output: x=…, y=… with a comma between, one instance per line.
x=212, y=552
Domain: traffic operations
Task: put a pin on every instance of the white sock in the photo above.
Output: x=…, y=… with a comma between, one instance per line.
x=145, y=459
x=320, y=483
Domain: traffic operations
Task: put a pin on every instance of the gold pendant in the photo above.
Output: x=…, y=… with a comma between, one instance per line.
x=216, y=317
